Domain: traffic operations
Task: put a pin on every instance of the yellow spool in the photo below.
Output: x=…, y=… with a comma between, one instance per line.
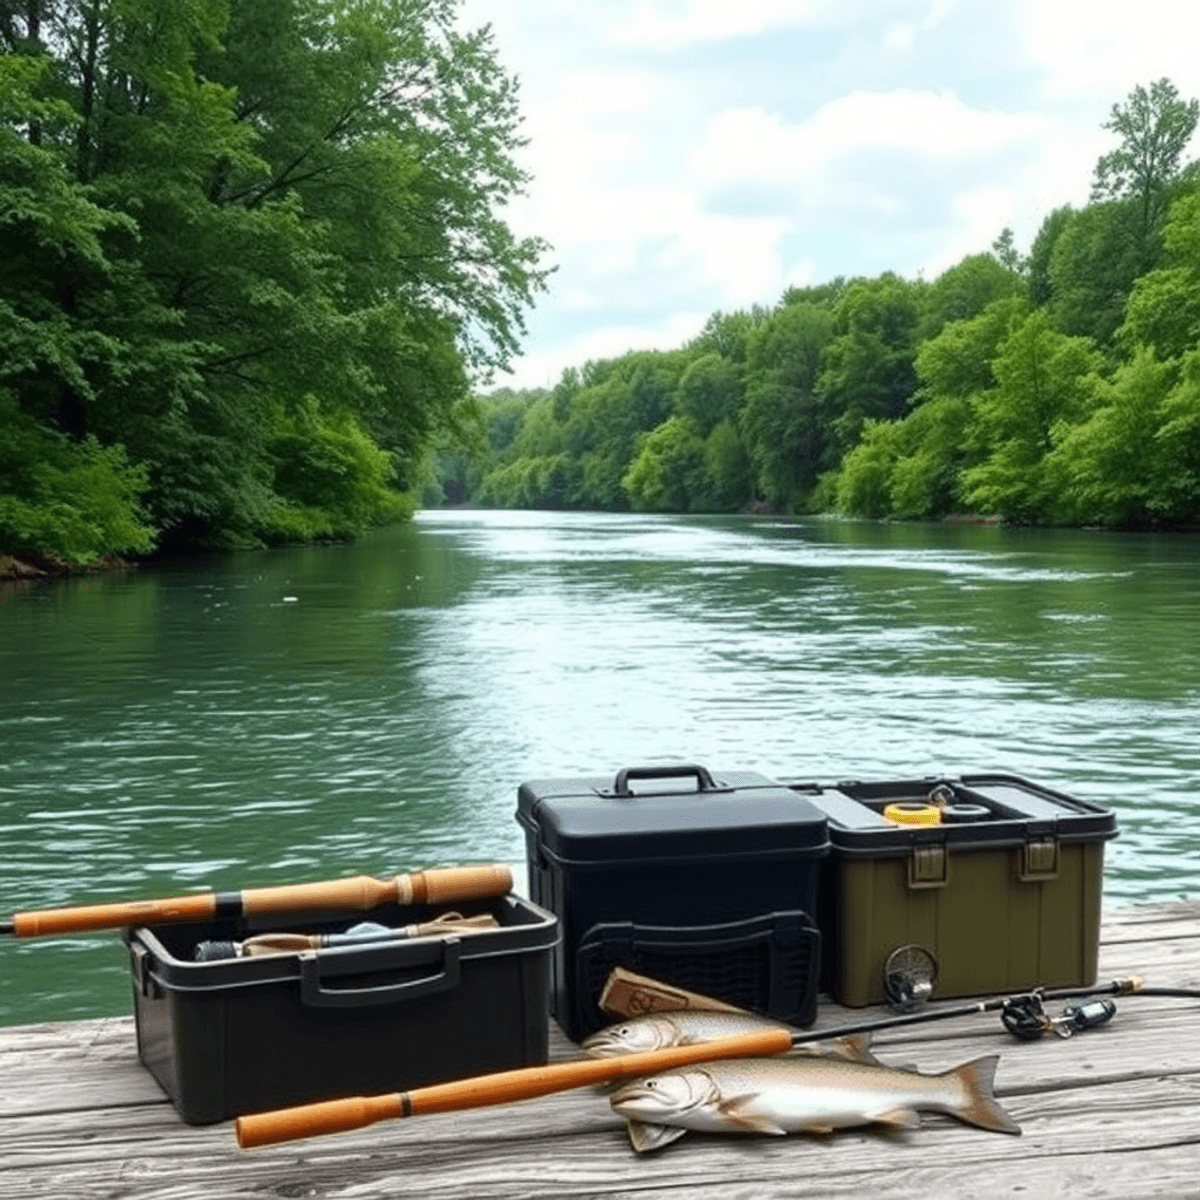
x=913, y=814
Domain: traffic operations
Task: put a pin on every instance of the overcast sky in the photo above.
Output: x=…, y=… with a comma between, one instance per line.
x=691, y=156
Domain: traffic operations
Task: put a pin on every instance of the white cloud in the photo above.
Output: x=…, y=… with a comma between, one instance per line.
x=691, y=155
x=1102, y=49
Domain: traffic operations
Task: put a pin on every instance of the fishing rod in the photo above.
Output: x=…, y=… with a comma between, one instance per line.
x=449, y=924
x=526, y=1083
x=435, y=885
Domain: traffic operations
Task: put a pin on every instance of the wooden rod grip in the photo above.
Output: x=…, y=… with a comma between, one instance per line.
x=310, y=1120
x=437, y=885
x=502, y=1087
x=447, y=885
x=355, y=894
x=199, y=907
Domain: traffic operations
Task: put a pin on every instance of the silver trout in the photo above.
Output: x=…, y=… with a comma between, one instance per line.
x=657, y=1031
x=794, y=1094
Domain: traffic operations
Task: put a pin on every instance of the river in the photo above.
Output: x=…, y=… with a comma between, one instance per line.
x=277, y=716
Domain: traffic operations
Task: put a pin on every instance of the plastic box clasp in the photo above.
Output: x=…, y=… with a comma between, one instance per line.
x=1039, y=860
x=929, y=866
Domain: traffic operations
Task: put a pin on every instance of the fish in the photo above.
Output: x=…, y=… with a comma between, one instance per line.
x=797, y=1094
x=657, y=1031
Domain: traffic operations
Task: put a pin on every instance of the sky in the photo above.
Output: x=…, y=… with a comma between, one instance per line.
x=696, y=156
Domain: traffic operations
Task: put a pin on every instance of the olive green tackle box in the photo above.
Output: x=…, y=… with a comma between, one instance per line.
x=249, y=1034
x=705, y=880
x=986, y=883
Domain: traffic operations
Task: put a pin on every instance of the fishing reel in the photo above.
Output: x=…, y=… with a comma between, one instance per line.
x=1026, y=1018
x=908, y=977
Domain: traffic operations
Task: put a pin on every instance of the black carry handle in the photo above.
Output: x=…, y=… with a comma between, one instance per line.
x=704, y=781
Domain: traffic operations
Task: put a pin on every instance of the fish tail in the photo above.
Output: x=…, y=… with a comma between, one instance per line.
x=978, y=1105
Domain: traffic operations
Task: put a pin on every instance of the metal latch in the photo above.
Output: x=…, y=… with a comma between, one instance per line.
x=1039, y=860
x=928, y=866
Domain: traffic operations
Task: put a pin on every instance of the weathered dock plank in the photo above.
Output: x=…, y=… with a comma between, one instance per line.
x=1113, y=1112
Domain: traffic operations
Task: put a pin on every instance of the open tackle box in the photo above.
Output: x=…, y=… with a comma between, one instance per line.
x=1000, y=893
x=245, y=1034
x=704, y=880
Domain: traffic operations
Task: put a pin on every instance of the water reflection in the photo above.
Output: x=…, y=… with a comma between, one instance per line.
x=263, y=717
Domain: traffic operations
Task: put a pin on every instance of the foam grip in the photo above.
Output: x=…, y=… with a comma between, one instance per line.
x=85, y=918
x=447, y=885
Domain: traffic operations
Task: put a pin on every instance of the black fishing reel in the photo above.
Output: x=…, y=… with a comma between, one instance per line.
x=1026, y=1018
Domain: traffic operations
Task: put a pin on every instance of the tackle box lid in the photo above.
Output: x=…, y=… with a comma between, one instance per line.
x=984, y=812
x=392, y=971
x=670, y=812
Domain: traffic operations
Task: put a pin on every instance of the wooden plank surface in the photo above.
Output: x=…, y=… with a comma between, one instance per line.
x=1112, y=1112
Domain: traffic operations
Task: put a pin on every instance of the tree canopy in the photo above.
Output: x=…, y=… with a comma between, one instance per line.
x=252, y=253
x=1054, y=386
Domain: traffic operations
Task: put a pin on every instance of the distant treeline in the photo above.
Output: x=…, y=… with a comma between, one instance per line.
x=251, y=252
x=1061, y=386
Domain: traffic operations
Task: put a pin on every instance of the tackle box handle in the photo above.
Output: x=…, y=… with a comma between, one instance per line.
x=704, y=780
x=314, y=994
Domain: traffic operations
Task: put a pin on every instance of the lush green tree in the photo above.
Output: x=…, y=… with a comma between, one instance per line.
x=669, y=470
x=867, y=368
x=965, y=290
x=68, y=502
x=709, y=392
x=730, y=474
x=1177, y=495
x=1109, y=467
x=958, y=361
x=1043, y=378
x=1164, y=307
x=1101, y=251
x=223, y=207
x=1155, y=126
x=1041, y=287
x=779, y=420
x=1094, y=264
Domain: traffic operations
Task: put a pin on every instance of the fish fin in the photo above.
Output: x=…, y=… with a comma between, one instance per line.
x=979, y=1105
x=897, y=1118
x=645, y=1137
x=736, y=1109
x=858, y=1049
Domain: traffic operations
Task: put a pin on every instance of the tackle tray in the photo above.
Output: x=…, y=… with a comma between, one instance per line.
x=1002, y=894
x=248, y=1034
x=681, y=849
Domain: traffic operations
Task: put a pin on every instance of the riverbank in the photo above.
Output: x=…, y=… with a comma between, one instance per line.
x=1113, y=1112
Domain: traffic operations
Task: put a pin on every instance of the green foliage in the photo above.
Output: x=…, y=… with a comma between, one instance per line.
x=331, y=480
x=1109, y=467
x=780, y=423
x=1164, y=307
x=1044, y=378
x=213, y=209
x=669, y=469
x=1155, y=127
x=1058, y=386
x=71, y=501
x=966, y=289
x=867, y=367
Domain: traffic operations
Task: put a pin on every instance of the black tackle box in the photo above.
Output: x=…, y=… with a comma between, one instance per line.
x=240, y=1035
x=987, y=883
x=704, y=880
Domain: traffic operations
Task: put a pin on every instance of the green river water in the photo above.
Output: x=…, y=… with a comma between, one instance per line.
x=259, y=718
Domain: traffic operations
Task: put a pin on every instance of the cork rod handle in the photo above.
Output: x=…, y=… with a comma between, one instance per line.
x=503, y=1087
x=437, y=885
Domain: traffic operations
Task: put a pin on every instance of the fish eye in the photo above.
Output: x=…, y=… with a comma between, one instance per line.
x=651, y=1084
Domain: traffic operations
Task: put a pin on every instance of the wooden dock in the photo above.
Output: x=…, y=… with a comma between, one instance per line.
x=1113, y=1112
